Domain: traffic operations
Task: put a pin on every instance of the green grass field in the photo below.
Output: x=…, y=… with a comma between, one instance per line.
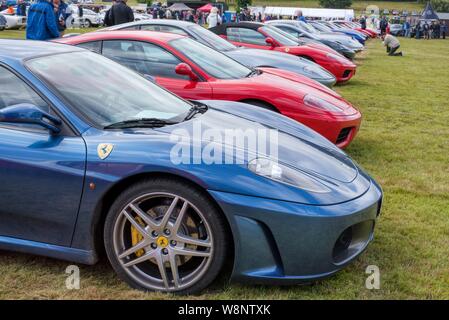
x=403, y=143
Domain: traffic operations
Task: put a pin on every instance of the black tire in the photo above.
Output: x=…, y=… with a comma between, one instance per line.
x=213, y=217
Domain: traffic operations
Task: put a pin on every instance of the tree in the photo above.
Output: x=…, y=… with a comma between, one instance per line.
x=241, y=4
x=440, y=5
x=336, y=4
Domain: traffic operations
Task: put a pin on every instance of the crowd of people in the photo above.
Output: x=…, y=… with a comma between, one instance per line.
x=432, y=30
x=417, y=28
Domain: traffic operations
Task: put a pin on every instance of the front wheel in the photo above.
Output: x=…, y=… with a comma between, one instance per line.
x=164, y=235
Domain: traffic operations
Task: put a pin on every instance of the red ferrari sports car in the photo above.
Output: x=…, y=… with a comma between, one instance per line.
x=262, y=36
x=195, y=71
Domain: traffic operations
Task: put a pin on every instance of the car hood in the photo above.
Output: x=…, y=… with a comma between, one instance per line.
x=298, y=146
x=270, y=58
x=301, y=79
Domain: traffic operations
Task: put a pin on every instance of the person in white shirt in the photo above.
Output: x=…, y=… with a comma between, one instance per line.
x=392, y=44
x=213, y=19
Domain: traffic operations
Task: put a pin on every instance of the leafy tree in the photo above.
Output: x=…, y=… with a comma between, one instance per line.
x=243, y=4
x=336, y=4
x=440, y=5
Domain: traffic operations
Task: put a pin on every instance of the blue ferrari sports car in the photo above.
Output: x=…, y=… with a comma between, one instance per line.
x=89, y=161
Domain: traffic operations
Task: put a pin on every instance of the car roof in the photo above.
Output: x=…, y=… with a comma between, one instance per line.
x=25, y=49
x=154, y=36
x=221, y=29
x=167, y=22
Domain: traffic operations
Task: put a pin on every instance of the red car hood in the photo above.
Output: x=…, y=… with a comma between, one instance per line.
x=301, y=79
x=323, y=47
x=299, y=87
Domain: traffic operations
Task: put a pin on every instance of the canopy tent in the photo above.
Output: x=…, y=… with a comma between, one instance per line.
x=428, y=13
x=346, y=14
x=206, y=8
x=179, y=7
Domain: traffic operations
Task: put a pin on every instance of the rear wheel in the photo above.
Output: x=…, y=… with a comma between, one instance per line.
x=163, y=235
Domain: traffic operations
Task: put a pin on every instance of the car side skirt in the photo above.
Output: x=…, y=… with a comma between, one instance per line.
x=48, y=250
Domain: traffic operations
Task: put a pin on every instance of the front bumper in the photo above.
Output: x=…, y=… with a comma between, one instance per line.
x=340, y=130
x=279, y=242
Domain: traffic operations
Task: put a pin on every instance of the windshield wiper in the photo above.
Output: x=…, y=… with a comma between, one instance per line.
x=140, y=123
x=197, y=108
x=254, y=72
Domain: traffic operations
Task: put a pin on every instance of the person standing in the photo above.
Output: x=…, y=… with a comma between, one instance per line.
x=41, y=22
x=301, y=17
x=168, y=14
x=21, y=8
x=62, y=13
x=392, y=44
x=418, y=30
x=407, y=29
x=426, y=31
x=119, y=13
x=363, y=22
x=383, y=25
x=437, y=30
x=443, y=30
x=213, y=19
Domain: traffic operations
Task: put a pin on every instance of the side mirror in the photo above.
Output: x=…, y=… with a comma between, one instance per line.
x=185, y=70
x=30, y=114
x=271, y=42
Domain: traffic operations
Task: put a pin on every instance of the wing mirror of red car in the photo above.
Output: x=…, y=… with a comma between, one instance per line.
x=271, y=42
x=185, y=70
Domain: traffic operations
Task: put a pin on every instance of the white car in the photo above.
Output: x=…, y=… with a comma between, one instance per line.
x=90, y=18
x=13, y=21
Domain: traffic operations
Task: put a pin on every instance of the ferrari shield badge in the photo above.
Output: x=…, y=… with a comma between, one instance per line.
x=104, y=150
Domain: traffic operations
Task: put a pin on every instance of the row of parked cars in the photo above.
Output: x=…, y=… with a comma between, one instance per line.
x=99, y=149
x=293, y=65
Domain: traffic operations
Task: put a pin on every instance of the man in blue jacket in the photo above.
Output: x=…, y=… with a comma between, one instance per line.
x=41, y=24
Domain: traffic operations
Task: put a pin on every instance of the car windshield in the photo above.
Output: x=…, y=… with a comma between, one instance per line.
x=322, y=27
x=104, y=91
x=280, y=36
x=212, y=62
x=308, y=27
x=211, y=39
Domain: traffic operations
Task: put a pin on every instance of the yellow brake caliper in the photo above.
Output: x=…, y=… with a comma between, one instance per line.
x=136, y=237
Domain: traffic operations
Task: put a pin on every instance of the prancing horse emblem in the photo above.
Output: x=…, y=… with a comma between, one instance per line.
x=104, y=150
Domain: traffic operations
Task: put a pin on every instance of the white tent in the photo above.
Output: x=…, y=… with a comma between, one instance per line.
x=346, y=14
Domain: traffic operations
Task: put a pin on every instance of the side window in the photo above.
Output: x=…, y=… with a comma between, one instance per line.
x=143, y=57
x=14, y=91
x=246, y=36
x=162, y=28
x=94, y=46
x=131, y=28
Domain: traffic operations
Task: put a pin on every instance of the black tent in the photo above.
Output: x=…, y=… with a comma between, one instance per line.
x=428, y=13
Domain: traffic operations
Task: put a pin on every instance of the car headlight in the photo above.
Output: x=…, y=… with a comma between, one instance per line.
x=316, y=102
x=275, y=171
